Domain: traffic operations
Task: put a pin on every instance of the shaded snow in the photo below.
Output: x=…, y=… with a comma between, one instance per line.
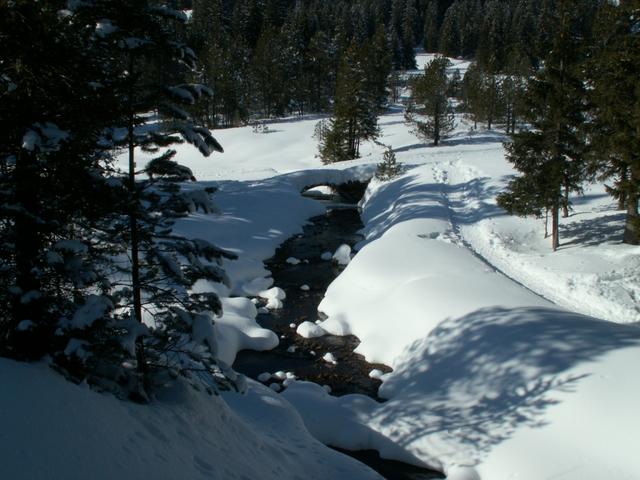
x=73, y=432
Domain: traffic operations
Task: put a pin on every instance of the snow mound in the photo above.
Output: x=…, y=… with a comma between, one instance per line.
x=331, y=420
x=237, y=330
x=330, y=358
x=274, y=297
x=55, y=429
x=310, y=330
x=342, y=255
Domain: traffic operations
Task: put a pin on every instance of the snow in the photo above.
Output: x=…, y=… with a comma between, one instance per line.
x=74, y=432
x=509, y=360
x=264, y=377
x=280, y=375
x=342, y=255
x=310, y=330
x=468, y=305
x=94, y=308
x=70, y=246
x=330, y=358
x=305, y=288
x=237, y=330
x=25, y=325
x=293, y=261
x=320, y=191
x=274, y=297
x=326, y=256
x=486, y=369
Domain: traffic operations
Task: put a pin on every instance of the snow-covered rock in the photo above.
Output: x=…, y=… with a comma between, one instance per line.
x=310, y=330
x=274, y=297
x=342, y=255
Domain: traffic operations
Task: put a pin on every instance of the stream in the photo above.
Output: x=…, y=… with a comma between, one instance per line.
x=325, y=233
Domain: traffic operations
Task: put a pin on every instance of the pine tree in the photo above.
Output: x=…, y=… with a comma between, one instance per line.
x=267, y=71
x=492, y=48
x=429, y=107
x=377, y=65
x=51, y=164
x=431, y=27
x=389, y=168
x=355, y=115
x=409, y=42
x=614, y=71
x=482, y=95
x=551, y=156
x=319, y=73
x=137, y=44
x=449, y=43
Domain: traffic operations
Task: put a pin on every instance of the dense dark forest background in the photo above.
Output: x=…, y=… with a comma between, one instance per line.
x=276, y=57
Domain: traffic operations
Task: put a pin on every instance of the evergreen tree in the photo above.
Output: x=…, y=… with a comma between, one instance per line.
x=389, y=168
x=355, y=111
x=551, y=156
x=615, y=133
x=135, y=43
x=493, y=36
x=429, y=107
x=513, y=88
x=51, y=167
x=409, y=42
x=319, y=72
x=431, y=27
x=449, y=43
x=268, y=72
x=377, y=65
x=482, y=95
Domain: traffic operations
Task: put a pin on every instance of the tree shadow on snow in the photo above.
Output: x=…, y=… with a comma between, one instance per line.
x=593, y=231
x=476, y=379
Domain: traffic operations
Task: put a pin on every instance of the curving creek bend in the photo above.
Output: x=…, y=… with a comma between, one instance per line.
x=325, y=233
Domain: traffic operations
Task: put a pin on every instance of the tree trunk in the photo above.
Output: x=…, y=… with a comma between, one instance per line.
x=136, y=286
x=622, y=201
x=546, y=223
x=632, y=221
x=565, y=203
x=28, y=247
x=436, y=127
x=555, y=233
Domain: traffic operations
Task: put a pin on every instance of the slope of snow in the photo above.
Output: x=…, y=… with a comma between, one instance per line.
x=52, y=428
x=485, y=370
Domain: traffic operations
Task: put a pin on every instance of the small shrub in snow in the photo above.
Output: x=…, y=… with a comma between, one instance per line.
x=389, y=168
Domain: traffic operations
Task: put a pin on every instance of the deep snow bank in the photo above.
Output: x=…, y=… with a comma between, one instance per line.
x=490, y=380
x=54, y=429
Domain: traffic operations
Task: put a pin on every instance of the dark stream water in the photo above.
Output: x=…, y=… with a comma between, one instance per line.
x=303, y=357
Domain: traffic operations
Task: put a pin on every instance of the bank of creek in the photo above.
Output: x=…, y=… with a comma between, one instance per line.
x=339, y=225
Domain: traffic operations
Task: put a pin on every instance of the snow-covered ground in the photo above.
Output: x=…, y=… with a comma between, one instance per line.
x=53, y=429
x=499, y=370
x=493, y=376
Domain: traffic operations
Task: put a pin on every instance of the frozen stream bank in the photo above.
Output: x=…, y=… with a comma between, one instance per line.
x=298, y=263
